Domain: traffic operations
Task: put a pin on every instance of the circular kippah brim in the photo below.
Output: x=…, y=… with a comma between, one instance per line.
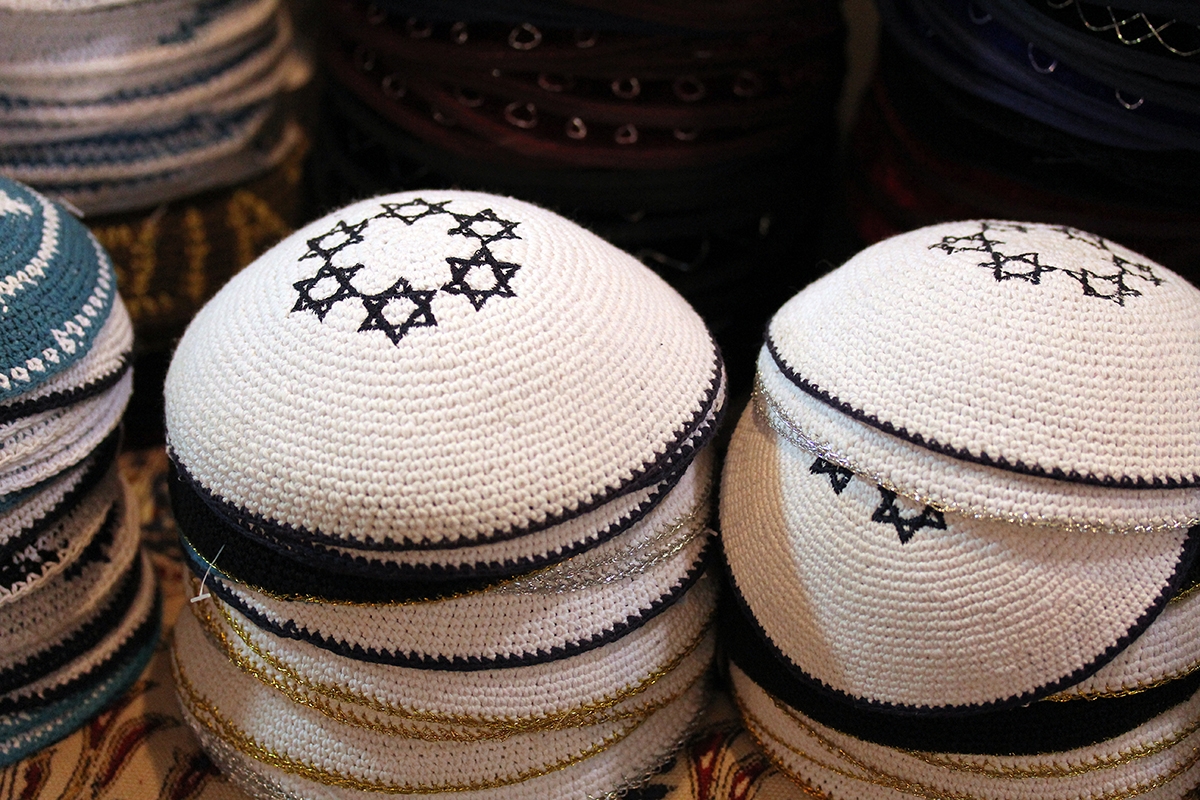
x=953, y=484
x=280, y=772
x=58, y=288
x=57, y=440
x=1157, y=759
x=553, y=692
x=349, y=701
x=582, y=621
x=1040, y=727
x=63, y=617
x=1167, y=651
x=1035, y=348
x=23, y=521
x=60, y=545
x=24, y=733
x=131, y=627
x=104, y=364
x=204, y=518
x=40, y=505
x=896, y=603
x=498, y=352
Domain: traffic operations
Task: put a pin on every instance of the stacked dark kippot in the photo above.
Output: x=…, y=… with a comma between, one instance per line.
x=1064, y=111
x=695, y=137
x=960, y=518
x=442, y=475
x=78, y=604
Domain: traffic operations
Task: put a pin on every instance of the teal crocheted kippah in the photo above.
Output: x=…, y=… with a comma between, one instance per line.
x=56, y=289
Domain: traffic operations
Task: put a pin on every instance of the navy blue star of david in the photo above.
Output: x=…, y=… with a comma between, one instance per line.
x=376, y=305
x=461, y=270
x=318, y=249
x=839, y=477
x=321, y=306
x=419, y=207
x=467, y=223
x=890, y=514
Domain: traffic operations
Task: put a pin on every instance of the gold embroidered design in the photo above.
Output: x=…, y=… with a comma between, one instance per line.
x=255, y=225
x=195, y=251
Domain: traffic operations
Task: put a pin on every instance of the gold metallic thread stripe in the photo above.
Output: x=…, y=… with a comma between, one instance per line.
x=492, y=727
x=1066, y=697
x=887, y=780
x=205, y=712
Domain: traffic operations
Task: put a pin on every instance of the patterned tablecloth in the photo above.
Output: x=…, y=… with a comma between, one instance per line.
x=140, y=748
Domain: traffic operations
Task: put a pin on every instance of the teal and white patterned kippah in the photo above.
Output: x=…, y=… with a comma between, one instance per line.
x=56, y=289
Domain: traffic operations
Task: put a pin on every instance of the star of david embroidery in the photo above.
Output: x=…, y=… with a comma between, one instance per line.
x=839, y=477
x=402, y=307
x=322, y=305
x=419, y=210
x=889, y=513
x=462, y=269
x=475, y=225
x=1028, y=267
x=420, y=315
x=334, y=240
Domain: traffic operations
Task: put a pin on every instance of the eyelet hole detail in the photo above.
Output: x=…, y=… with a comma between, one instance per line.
x=524, y=37
x=522, y=115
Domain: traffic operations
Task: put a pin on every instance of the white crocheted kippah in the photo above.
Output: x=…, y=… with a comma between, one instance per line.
x=1154, y=760
x=435, y=369
x=1038, y=349
x=894, y=602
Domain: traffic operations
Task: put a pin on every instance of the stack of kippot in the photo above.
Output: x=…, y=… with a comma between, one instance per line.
x=958, y=522
x=120, y=104
x=78, y=607
x=440, y=469
x=1063, y=111
x=695, y=135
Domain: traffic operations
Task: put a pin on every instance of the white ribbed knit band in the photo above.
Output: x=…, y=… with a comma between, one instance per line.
x=65, y=539
x=110, y=352
x=490, y=696
x=275, y=774
x=248, y=78
x=486, y=626
x=93, y=54
x=53, y=441
x=953, y=484
x=505, y=368
x=1017, y=343
x=688, y=500
x=139, y=612
x=891, y=601
x=1169, y=649
x=40, y=619
x=1158, y=760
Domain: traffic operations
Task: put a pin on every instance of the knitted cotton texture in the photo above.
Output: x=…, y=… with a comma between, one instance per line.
x=486, y=344
x=883, y=599
x=56, y=289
